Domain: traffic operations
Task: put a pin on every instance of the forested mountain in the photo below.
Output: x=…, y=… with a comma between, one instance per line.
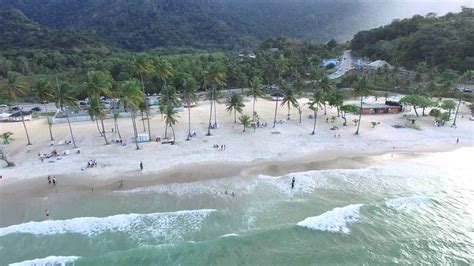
x=210, y=24
x=19, y=32
x=444, y=42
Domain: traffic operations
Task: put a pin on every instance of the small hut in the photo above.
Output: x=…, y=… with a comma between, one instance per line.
x=411, y=121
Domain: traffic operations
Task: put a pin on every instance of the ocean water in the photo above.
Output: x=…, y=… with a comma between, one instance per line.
x=413, y=211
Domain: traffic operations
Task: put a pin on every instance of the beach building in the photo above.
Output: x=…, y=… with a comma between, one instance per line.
x=389, y=107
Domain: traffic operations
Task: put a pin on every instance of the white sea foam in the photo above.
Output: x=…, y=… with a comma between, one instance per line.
x=408, y=204
x=230, y=235
x=335, y=220
x=168, y=225
x=51, y=260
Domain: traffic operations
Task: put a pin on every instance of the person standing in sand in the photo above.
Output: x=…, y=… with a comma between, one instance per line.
x=46, y=213
x=141, y=166
x=293, y=183
x=54, y=181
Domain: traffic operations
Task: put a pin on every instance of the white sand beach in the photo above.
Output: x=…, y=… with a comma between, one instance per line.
x=289, y=141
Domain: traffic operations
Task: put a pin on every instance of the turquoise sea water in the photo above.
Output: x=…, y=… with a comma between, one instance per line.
x=418, y=211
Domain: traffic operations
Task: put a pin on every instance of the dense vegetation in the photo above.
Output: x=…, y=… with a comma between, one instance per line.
x=444, y=42
x=205, y=24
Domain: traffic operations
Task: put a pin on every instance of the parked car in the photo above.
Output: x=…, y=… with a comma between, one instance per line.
x=35, y=109
x=15, y=108
x=467, y=90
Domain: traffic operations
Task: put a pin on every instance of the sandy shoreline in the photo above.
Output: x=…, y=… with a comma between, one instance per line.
x=267, y=151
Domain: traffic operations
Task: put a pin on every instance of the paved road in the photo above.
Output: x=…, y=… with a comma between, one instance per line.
x=346, y=65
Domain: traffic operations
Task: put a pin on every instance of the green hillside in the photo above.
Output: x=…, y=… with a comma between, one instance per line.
x=444, y=42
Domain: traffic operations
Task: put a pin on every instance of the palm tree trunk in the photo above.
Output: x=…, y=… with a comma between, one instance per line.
x=360, y=115
x=98, y=128
x=210, y=121
x=50, y=129
x=70, y=130
x=174, y=136
x=135, y=131
x=189, y=123
x=235, y=116
x=275, y=117
x=143, y=122
x=325, y=113
x=338, y=111
x=345, y=120
x=146, y=107
x=24, y=125
x=166, y=130
x=103, y=131
x=457, y=110
x=215, y=112
x=253, y=110
x=314, y=124
x=288, y=110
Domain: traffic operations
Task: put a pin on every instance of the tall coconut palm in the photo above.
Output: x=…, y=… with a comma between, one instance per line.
x=190, y=97
x=142, y=66
x=281, y=66
x=116, y=126
x=236, y=104
x=171, y=118
x=326, y=86
x=315, y=102
x=213, y=77
x=131, y=97
x=44, y=93
x=96, y=112
x=463, y=79
x=255, y=91
x=289, y=98
x=97, y=85
x=245, y=121
x=163, y=70
x=16, y=87
x=361, y=89
x=64, y=96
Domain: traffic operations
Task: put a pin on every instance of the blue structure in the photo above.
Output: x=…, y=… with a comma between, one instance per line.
x=330, y=63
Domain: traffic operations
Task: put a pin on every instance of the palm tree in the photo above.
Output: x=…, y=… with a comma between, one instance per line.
x=163, y=70
x=289, y=98
x=64, y=96
x=171, y=118
x=463, y=79
x=245, y=121
x=131, y=96
x=95, y=111
x=97, y=85
x=190, y=97
x=361, y=89
x=255, y=91
x=326, y=86
x=315, y=102
x=116, y=117
x=44, y=93
x=212, y=78
x=143, y=66
x=15, y=87
x=281, y=66
x=235, y=103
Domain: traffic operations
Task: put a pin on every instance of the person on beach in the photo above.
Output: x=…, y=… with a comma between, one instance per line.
x=120, y=184
x=457, y=141
x=54, y=181
x=46, y=213
x=233, y=194
x=49, y=179
x=293, y=183
x=141, y=166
